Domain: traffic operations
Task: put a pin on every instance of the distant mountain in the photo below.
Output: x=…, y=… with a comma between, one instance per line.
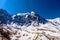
x=5, y=17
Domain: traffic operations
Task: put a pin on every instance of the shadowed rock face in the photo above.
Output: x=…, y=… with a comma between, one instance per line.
x=4, y=16
x=28, y=18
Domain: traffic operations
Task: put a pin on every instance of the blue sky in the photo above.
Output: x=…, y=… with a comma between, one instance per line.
x=45, y=8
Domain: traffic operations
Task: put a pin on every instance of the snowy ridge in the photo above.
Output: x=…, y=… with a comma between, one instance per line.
x=28, y=19
x=56, y=21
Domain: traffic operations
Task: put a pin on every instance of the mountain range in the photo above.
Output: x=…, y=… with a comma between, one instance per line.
x=20, y=18
x=30, y=25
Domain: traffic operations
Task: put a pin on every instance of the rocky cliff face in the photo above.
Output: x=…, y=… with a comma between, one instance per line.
x=5, y=17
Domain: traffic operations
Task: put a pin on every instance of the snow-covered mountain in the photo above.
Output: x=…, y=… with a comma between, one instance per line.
x=20, y=18
x=30, y=26
x=28, y=19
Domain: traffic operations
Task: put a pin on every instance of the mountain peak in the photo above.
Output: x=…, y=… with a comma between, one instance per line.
x=28, y=18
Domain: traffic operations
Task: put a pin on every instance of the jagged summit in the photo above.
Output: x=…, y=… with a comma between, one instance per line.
x=28, y=18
